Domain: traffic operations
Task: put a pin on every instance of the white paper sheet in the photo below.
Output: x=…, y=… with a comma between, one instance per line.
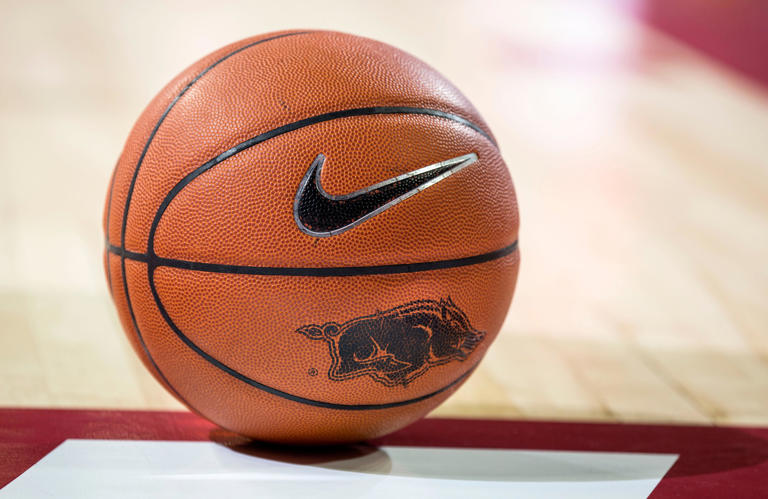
x=122, y=469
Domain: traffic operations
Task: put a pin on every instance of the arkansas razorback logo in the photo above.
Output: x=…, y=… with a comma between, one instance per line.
x=396, y=346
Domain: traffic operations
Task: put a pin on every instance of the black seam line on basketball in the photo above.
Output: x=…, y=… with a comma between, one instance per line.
x=398, y=268
x=274, y=391
x=168, y=110
x=130, y=195
x=141, y=337
x=127, y=254
x=364, y=111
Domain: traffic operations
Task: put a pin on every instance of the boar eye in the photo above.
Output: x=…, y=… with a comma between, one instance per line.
x=458, y=321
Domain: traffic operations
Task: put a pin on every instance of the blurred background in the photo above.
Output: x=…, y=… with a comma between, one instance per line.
x=636, y=132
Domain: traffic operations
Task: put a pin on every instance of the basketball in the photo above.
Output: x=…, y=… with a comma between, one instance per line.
x=311, y=237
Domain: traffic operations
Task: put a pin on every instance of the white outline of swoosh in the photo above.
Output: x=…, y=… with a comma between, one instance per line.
x=460, y=161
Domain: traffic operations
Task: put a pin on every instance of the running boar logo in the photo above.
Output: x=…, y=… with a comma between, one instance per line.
x=396, y=346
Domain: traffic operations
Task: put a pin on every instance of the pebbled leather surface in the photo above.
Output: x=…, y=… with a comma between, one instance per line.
x=465, y=214
x=240, y=212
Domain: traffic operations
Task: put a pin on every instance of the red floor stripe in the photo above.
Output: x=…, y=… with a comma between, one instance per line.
x=714, y=461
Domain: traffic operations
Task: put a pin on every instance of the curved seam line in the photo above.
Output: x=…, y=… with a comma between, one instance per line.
x=296, y=125
x=130, y=195
x=274, y=391
x=152, y=260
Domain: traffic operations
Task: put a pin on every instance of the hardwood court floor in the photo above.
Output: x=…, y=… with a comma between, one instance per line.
x=640, y=167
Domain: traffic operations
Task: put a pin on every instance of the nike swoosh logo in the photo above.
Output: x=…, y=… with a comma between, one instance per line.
x=321, y=214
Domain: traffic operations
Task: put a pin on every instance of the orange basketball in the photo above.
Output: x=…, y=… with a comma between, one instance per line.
x=311, y=237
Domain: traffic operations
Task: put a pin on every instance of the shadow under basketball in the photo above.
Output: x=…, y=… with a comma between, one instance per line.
x=461, y=464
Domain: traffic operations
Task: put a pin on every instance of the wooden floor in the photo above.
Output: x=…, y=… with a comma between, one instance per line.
x=641, y=169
